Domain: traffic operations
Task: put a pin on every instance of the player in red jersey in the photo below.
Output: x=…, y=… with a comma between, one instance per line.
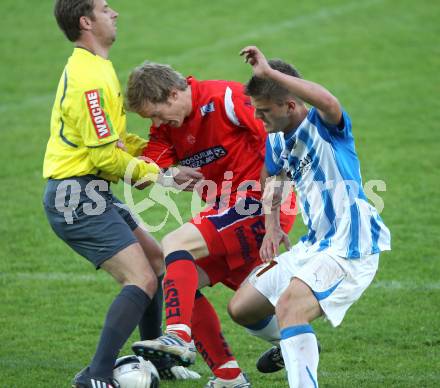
x=207, y=129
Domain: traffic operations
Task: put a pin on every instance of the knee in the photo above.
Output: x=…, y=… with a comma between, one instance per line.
x=170, y=241
x=174, y=244
x=145, y=280
x=187, y=238
x=291, y=309
x=148, y=283
x=236, y=312
x=284, y=308
x=233, y=312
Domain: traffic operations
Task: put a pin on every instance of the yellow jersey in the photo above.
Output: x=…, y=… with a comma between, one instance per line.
x=88, y=120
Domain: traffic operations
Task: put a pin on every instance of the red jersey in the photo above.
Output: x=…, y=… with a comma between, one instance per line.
x=220, y=136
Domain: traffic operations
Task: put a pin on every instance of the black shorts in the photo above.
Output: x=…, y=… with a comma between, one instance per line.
x=85, y=214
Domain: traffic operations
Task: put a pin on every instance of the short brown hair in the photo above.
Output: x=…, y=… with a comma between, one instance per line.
x=68, y=12
x=268, y=89
x=152, y=82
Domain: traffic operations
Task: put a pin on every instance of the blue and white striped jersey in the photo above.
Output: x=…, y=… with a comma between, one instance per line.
x=322, y=162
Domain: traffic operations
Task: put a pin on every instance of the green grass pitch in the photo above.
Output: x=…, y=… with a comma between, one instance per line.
x=381, y=58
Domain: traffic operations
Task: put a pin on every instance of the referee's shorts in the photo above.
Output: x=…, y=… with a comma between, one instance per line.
x=85, y=214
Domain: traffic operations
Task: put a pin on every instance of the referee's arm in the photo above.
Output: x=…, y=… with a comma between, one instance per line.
x=134, y=144
x=112, y=160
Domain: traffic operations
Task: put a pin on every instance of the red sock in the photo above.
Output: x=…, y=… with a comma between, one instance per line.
x=180, y=285
x=209, y=340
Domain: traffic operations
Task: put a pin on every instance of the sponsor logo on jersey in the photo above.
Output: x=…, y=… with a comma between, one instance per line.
x=204, y=157
x=301, y=168
x=208, y=108
x=97, y=114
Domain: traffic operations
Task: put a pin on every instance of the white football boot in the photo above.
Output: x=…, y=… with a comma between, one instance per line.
x=241, y=381
x=183, y=352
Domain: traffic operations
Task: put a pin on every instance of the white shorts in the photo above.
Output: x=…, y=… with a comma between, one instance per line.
x=336, y=282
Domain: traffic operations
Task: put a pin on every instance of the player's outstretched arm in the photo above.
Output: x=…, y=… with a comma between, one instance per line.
x=134, y=144
x=312, y=93
x=111, y=159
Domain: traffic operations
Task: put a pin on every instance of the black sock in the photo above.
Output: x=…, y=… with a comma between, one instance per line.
x=150, y=325
x=122, y=317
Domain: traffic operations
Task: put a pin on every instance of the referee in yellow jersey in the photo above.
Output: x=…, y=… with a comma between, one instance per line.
x=88, y=148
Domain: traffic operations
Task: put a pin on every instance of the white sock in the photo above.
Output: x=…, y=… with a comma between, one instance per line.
x=174, y=329
x=230, y=364
x=300, y=353
x=267, y=329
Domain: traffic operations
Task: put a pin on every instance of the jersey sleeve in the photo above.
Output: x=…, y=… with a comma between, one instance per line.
x=274, y=148
x=94, y=121
x=240, y=112
x=134, y=144
x=341, y=130
x=112, y=160
x=160, y=149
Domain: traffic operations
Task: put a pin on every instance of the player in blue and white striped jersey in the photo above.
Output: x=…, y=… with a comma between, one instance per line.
x=331, y=266
x=321, y=161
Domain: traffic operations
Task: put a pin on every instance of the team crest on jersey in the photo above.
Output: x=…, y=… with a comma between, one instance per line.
x=97, y=115
x=208, y=108
x=202, y=158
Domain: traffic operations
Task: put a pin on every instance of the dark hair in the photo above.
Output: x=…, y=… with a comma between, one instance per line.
x=268, y=89
x=152, y=82
x=68, y=12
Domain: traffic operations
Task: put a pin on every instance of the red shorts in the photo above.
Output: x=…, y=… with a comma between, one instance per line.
x=234, y=238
